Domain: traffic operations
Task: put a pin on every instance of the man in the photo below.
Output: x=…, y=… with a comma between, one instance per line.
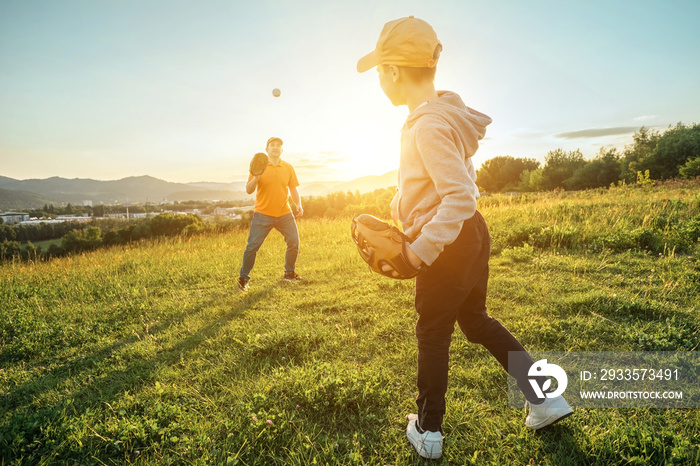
x=436, y=204
x=272, y=210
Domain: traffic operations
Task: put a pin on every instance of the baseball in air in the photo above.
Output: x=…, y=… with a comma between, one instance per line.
x=276, y=92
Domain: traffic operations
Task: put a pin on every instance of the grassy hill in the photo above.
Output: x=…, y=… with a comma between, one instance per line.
x=147, y=354
x=12, y=200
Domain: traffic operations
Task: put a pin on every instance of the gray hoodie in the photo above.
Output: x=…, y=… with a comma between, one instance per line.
x=437, y=181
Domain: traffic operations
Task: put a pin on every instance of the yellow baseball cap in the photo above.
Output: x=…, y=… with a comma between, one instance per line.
x=403, y=42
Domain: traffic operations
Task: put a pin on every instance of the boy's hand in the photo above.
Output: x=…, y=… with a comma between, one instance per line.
x=413, y=259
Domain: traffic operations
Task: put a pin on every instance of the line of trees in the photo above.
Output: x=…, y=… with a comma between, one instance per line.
x=652, y=156
x=40, y=232
x=347, y=204
x=81, y=237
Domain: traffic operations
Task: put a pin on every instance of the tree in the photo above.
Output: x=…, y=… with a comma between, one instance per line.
x=532, y=180
x=7, y=232
x=503, y=172
x=112, y=238
x=664, y=155
x=691, y=169
x=82, y=240
x=10, y=249
x=171, y=224
x=645, y=141
x=98, y=211
x=603, y=170
x=560, y=166
x=30, y=252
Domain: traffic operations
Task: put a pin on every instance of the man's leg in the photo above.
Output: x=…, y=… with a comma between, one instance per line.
x=260, y=227
x=288, y=227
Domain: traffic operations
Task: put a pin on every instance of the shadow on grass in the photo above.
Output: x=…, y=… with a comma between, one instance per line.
x=559, y=446
x=22, y=427
x=647, y=324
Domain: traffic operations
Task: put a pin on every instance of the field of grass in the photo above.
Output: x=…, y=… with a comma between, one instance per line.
x=147, y=354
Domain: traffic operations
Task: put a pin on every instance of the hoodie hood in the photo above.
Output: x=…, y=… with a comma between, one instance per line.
x=470, y=124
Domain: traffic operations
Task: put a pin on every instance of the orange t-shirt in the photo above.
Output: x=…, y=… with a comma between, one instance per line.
x=272, y=190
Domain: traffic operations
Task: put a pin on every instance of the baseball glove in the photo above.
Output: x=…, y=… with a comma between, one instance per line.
x=259, y=164
x=382, y=244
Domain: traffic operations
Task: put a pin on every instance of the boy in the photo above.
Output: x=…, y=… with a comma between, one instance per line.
x=437, y=205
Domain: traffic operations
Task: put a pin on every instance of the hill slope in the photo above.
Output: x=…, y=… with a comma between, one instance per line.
x=11, y=199
x=146, y=354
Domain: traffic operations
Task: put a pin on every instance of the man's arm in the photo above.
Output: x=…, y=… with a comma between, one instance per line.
x=252, y=184
x=297, y=201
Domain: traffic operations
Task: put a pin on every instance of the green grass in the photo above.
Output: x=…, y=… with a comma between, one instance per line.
x=44, y=245
x=147, y=354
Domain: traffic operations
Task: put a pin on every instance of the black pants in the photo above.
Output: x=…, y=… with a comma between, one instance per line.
x=453, y=289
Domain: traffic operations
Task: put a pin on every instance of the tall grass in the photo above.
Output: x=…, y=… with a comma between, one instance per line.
x=149, y=355
x=665, y=219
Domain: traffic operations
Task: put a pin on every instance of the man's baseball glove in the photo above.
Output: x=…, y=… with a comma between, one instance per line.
x=259, y=164
x=382, y=244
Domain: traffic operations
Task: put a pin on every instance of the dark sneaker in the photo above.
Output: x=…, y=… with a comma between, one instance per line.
x=242, y=284
x=291, y=277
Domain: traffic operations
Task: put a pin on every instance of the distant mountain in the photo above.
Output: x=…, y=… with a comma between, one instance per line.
x=131, y=189
x=369, y=183
x=208, y=195
x=363, y=185
x=209, y=185
x=316, y=189
x=34, y=193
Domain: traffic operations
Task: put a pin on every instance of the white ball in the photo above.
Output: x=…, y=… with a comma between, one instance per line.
x=276, y=92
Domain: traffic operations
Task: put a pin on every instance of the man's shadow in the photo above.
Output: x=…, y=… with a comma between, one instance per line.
x=20, y=419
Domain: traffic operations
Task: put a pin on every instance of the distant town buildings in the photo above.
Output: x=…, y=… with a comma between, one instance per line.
x=22, y=218
x=230, y=212
x=12, y=218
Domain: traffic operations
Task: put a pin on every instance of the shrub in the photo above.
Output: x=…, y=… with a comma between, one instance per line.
x=648, y=239
x=112, y=238
x=171, y=224
x=82, y=240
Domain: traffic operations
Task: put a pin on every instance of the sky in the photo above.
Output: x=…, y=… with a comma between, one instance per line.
x=182, y=90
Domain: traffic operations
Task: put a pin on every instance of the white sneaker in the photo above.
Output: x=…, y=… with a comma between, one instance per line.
x=428, y=444
x=547, y=413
